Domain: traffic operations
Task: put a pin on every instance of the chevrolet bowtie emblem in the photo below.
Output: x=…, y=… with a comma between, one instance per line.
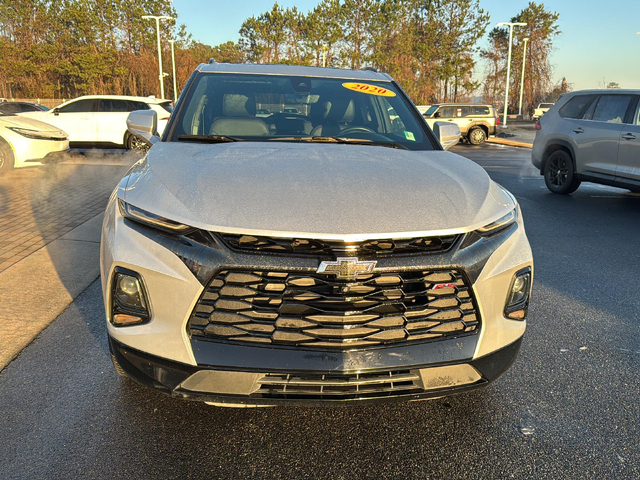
x=347, y=268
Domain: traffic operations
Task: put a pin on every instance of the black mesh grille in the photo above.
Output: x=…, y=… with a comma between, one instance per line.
x=317, y=311
x=305, y=246
x=339, y=387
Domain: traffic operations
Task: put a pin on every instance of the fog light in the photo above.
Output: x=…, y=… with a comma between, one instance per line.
x=129, y=304
x=518, y=298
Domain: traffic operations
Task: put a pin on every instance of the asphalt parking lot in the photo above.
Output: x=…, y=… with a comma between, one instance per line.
x=567, y=409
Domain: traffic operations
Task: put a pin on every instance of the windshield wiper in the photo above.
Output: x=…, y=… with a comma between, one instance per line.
x=343, y=140
x=208, y=138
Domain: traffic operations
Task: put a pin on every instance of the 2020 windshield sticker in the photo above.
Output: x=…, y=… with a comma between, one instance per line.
x=369, y=89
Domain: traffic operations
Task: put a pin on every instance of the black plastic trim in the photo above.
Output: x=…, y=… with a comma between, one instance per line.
x=165, y=376
x=205, y=256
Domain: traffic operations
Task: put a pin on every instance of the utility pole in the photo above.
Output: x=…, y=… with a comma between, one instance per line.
x=506, y=90
x=173, y=65
x=524, y=57
x=157, y=18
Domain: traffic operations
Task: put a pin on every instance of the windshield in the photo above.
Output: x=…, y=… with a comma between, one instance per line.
x=246, y=107
x=546, y=105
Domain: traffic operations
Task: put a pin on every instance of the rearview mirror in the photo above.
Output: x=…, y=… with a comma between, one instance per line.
x=144, y=125
x=447, y=133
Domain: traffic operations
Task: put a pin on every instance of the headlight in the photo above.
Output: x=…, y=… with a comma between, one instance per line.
x=500, y=224
x=129, y=305
x=518, y=295
x=151, y=220
x=39, y=134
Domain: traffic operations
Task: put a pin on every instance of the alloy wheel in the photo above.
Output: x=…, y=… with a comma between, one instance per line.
x=559, y=171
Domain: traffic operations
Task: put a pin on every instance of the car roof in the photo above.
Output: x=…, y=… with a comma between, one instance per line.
x=599, y=91
x=462, y=105
x=298, y=70
x=21, y=103
x=152, y=100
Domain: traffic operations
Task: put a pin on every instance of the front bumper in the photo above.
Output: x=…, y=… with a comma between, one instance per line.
x=218, y=385
x=29, y=151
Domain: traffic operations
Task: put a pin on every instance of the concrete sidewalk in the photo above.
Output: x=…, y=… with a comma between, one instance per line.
x=39, y=287
x=519, y=135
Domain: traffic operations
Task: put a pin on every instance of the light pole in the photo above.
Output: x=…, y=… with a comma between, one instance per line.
x=524, y=57
x=506, y=90
x=157, y=18
x=173, y=66
x=324, y=55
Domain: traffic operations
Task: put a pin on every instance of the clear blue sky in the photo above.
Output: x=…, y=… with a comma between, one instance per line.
x=598, y=36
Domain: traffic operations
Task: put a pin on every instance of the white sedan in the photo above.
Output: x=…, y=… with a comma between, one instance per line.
x=101, y=120
x=25, y=141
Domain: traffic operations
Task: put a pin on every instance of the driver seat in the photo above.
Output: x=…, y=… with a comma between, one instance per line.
x=336, y=115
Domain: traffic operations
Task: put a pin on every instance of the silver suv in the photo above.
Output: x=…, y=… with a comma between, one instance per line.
x=476, y=121
x=590, y=135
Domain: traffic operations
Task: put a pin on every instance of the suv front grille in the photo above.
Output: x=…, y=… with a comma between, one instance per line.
x=305, y=246
x=339, y=386
x=318, y=311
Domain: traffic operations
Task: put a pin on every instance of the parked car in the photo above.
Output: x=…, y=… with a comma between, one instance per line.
x=476, y=121
x=541, y=110
x=25, y=141
x=330, y=259
x=100, y=120
x=590, y=135
x=19, y=107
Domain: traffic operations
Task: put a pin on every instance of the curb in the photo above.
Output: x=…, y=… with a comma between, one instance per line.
x=510, y=143
x=44, y=284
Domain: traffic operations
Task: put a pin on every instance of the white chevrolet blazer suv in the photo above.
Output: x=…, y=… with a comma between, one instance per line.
x=323, y=256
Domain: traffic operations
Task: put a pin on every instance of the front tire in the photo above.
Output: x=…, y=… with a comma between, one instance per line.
x=7, y=159
x=136, y=145
x=477, y=136
x=560, y=173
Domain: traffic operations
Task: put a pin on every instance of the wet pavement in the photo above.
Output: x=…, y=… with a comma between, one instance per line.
x=567, y=409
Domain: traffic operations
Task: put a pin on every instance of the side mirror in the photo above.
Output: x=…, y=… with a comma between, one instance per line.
x=447, y=133
x=144, y=125
x=56, y=111
x=437, y=115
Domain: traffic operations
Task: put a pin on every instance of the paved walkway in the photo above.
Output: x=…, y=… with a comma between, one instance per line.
x=50, y=223
x=40, y=204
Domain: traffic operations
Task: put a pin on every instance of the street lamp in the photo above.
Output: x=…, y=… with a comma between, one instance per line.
x=157, y=18
x=506, y=90
x=173, y=65
x=524, y=57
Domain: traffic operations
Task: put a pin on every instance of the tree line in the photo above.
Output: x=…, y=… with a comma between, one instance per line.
x=66, y=48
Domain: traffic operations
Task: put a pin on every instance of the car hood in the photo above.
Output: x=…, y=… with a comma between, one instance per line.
x=314, y=190
x=19, y=121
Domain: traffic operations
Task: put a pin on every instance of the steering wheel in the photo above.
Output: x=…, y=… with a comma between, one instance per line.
x=357, y=129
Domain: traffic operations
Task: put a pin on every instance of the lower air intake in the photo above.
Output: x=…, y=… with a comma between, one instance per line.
x=339, y=387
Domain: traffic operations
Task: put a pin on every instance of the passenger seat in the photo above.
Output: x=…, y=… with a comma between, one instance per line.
x=238, y=118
